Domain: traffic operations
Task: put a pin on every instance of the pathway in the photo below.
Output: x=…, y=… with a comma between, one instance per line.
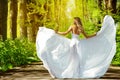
x=36, y=71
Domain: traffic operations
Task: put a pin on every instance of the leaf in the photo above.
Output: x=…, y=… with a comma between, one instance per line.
x=10, y=66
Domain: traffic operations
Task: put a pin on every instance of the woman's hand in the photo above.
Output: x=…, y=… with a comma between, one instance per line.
x=64, y=33
x=92, y=35
x=56, y=29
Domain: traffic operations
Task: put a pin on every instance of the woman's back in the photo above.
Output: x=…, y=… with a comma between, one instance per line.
x=75, y=29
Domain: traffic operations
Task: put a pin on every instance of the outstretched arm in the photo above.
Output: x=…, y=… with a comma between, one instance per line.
x=92, y=35
x=66, y=32
x=83, y=32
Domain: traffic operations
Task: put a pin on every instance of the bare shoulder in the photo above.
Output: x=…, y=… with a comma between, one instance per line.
x=72, y=26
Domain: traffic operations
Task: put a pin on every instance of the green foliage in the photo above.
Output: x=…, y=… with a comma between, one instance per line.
x=116, y=59
x=15, y=53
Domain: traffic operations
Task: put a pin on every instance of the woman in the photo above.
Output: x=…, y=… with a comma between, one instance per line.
x=74, y=58
x=76, y=28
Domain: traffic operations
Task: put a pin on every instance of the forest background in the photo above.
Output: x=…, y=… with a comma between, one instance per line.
x=21, y=19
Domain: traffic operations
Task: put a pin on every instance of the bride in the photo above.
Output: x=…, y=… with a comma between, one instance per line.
x=76, y=28
x=74, y=58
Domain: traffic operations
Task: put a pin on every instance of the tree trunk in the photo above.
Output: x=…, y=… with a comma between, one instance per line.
x=13, y=18
x=0, y=19
x=83, y=12
x=3, y=18
x=57, y=12
x=113, y=6
x=106, y=4
x=22, y=15
x=31, y=28
x=30, y=33
x=100, y=4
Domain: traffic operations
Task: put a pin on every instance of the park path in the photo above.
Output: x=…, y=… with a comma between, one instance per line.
x=36, y=71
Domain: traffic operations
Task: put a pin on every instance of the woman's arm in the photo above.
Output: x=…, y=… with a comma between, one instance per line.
x=83, y=32
x=92, y=35
x=66, y=32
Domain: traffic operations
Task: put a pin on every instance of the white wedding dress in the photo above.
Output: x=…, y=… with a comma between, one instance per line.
x=74, y=58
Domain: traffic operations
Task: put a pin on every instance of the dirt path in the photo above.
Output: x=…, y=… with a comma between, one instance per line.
x=36, y=71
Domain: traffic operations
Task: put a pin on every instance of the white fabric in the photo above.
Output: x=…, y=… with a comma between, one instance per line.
x=74, y=58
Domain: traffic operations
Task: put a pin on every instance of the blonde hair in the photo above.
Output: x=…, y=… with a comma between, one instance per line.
x=79, y=23
x=78, y=20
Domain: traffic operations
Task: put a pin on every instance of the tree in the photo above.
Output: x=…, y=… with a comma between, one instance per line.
x=13, y=18
x=3, y=18
x=22, y=15
x=100, y=4
x=0, y=19
x=35, y=18
x=111, y=5
x=31, y=29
